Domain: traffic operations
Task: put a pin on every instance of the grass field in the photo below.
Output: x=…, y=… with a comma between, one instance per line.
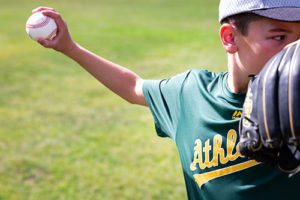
x=62, y=134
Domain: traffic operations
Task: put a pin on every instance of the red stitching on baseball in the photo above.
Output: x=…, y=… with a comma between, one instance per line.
x=43, y=23
x=52, y=34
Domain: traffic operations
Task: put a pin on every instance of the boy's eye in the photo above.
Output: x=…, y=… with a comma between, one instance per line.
x=279, y=37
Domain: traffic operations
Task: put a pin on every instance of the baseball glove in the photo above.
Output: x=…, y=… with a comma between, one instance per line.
x=270, y=127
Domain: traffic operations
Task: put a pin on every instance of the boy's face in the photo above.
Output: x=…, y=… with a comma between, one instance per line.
x=265, y=38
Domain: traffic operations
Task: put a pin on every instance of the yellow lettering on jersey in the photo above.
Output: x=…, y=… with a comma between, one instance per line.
x=205, y=177
x=237, y=114
x=197, y=155
x=206, y=150
x=218, y=152
x=220, y=156
x=231, y=140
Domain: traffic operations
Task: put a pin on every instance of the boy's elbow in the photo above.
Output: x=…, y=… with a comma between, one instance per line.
x=137, y=101
x=138, y=97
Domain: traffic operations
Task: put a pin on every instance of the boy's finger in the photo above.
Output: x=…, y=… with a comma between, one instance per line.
x=39, y=9
x=42, y=42
x=45, y=43
x=54, y=15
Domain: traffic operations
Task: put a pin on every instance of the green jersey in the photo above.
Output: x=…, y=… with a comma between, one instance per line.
x=201, y=115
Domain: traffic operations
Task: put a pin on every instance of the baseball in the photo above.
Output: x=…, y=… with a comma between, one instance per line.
x=40, y=26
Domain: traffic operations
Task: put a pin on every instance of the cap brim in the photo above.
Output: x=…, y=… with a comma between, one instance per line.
x=289, y=14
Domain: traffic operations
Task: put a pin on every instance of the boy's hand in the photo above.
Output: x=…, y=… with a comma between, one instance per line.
x=62, y=42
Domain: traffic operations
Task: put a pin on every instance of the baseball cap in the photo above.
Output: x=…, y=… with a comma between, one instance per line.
x=283, y=10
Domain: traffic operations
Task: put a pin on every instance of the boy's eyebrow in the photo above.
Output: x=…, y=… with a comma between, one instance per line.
x=280, y=30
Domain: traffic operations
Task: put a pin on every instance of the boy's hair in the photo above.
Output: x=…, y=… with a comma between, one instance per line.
x=242, y=21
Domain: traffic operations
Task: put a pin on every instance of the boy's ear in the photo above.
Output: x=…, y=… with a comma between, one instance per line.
x=227, y=34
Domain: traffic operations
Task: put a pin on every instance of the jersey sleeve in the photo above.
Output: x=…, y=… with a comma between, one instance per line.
x=163, y=99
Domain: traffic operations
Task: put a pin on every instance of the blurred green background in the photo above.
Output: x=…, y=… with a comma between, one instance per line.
x=62, y=134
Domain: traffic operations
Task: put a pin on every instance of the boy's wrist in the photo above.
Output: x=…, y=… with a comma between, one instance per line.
x=71, y=49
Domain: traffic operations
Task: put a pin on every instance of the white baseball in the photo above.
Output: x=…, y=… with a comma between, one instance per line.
x=41, y=26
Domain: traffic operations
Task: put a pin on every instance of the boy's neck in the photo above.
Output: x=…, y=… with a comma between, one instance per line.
x=234, y=85
x=237, y=81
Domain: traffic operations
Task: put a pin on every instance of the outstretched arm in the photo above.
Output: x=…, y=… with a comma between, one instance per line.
x=118, y=79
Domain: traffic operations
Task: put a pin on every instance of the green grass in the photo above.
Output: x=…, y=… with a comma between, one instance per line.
x=62, y=134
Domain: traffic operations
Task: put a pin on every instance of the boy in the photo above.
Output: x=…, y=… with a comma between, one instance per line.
x=200, y=110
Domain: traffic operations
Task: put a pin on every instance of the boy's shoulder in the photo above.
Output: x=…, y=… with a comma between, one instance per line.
x=203, y=76
x=205, y=73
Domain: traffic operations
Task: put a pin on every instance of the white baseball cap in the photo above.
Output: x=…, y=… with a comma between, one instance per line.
x=283, y=10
